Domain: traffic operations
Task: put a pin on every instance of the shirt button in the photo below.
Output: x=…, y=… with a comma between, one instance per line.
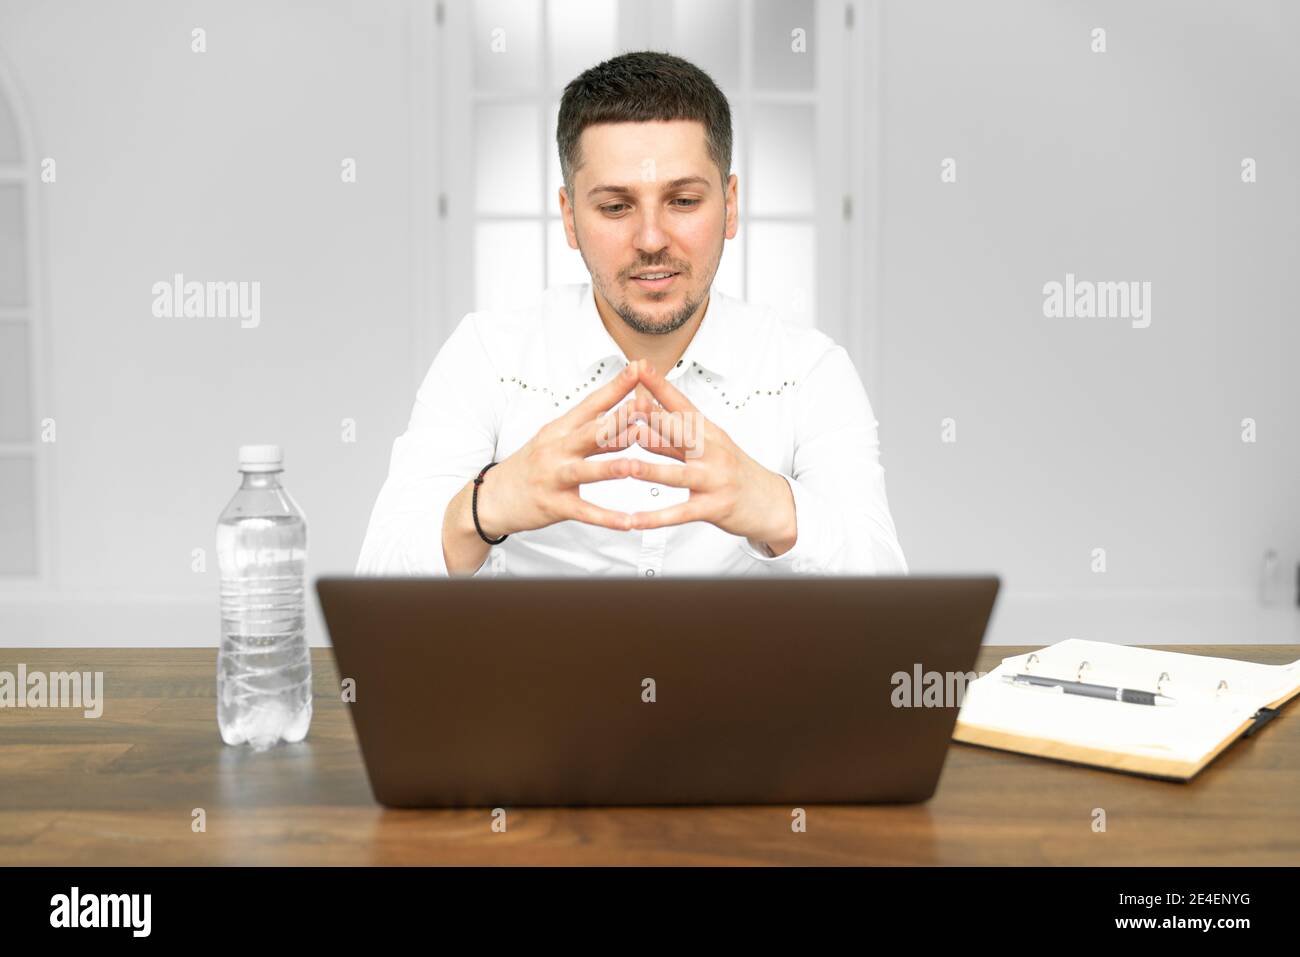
x=649, y=573
x=654, y=491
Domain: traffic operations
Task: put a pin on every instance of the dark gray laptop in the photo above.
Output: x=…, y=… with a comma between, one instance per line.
x=583, y=691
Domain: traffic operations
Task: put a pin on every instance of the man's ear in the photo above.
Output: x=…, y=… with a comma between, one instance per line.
x=566, y=217
x=730, y=195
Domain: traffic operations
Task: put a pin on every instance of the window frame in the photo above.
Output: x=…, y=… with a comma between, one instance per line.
x=845, y=298
x=25, y=174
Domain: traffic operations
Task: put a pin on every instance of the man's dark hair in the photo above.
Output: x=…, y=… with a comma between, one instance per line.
x=641, y=87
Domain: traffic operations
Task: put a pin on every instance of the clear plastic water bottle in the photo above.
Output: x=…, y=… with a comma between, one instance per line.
x=264, y=665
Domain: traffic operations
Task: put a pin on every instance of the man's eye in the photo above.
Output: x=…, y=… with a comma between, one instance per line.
x=619, y=207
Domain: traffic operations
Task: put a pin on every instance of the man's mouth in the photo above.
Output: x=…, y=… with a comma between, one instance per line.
x=655, y=278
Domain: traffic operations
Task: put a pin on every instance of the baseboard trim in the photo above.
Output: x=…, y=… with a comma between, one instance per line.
x=1138, y=617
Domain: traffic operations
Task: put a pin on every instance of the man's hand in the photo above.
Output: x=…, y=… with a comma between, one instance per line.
x=728, y=488
x=537, y=486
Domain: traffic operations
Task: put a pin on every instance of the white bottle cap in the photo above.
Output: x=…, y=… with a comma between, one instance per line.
x=260, y=458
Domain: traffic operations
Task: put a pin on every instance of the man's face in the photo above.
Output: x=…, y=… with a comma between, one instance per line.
x=649, y=200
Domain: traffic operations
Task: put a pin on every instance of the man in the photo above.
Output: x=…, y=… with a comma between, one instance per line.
x=746, y=444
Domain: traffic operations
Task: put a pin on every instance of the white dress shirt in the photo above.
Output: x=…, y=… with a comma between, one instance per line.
x=785, y=394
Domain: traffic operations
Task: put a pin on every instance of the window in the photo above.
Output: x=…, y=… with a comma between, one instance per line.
x=781, y=65
x=22, y=463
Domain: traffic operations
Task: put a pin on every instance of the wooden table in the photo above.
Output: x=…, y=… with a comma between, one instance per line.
x=122, y=789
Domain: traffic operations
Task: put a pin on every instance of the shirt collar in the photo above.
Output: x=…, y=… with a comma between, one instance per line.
x=711, y=348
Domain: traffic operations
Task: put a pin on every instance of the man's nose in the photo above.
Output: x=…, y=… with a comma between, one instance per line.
x=650, y=236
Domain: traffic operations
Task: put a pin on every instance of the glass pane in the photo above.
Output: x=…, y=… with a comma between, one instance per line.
x=9, y=152
x=707, y=35
x=13, y=247
x=15, y=397
x=730, y=278
x=506, y=42
x=781, y=164
x=507, y=164
x=563, y=264
x=17, y=516
x=783, y=56
x=582, y=34
x=554, y=178
x=781, y=273
x=507, y=264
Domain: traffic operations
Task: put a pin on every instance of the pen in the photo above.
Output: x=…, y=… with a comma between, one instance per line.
x=1127, y=695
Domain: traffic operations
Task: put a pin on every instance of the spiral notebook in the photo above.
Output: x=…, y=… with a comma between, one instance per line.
x=1217, y=701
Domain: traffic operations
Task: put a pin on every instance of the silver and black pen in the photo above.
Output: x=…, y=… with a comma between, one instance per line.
x=1126, y=695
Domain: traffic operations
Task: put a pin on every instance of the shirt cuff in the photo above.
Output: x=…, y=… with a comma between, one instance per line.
x=799, y=557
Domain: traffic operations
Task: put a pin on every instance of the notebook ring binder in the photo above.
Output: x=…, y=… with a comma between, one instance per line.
x=1239, y=699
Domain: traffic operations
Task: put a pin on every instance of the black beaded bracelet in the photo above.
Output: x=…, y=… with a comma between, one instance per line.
x=473, y=507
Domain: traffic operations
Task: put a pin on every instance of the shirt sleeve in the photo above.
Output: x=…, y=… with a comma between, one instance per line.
x=451, y=435
x=843, y=525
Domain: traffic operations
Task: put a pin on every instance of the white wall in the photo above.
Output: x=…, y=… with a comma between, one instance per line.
x=1074, y=433
x=221, y=166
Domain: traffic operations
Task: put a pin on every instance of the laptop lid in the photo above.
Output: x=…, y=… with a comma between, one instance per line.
x=581, y=691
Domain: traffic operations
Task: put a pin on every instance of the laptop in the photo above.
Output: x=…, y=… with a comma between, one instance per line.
x=480, y=692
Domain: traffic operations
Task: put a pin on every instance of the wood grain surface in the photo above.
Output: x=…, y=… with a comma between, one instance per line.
x=121, y=790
